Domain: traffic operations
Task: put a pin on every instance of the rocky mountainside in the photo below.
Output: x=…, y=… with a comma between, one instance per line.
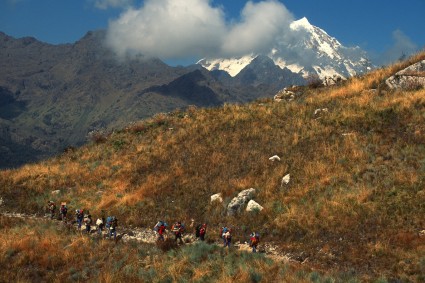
x=52, y=96
x=308, y=50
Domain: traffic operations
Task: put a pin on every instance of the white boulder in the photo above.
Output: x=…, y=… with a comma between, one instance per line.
x=253, y=206
x=274, y=158
x=285, y=179
x=216, y=197
x=56, y=192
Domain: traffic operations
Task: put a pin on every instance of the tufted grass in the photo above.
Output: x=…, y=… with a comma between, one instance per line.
x=357, y=175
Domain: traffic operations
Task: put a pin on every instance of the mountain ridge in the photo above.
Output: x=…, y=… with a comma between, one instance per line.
x=326, y=56
x=70, y=90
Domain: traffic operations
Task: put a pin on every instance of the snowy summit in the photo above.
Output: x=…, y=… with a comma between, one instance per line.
x=304, y=49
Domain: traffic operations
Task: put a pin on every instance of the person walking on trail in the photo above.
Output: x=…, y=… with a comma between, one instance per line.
x=223, y=230
x=202, y=232
x=100, y=223
x=79, y=213
x=63, y=211
x=227, y=237
x=254, y=239
x=88, y=221
x=113, y=228
x=51, y=206
x=178, y=230
x=160, y=228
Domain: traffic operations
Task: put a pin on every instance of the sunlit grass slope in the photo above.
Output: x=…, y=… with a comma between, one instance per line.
x=356, y=195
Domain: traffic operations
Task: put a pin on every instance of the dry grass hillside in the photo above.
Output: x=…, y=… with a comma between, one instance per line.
x=352, y=210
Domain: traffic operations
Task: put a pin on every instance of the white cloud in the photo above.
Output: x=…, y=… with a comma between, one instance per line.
x=105, y=4
x=261, y=27
x=171, y=29
x=402, y=46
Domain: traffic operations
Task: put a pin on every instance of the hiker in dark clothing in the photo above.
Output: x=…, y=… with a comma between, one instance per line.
x=80, y=217
x=88, y=222
x=51, y=206
x=63, y=211
x=178, y=230
x=113, y=228
x=202, y=232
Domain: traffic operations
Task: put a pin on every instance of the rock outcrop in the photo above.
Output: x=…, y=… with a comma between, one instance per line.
x=236, y=204
x=410, y=78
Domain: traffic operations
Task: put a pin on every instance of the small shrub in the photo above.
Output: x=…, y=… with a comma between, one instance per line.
x=97, y=136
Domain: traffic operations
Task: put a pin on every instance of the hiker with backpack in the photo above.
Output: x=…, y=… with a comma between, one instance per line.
x=201, y=230
x=63, y=211
x=160, y=228
x=51, y=206
x=227, y=237
x=88, y=221
x=178, y=230
x=100, y=223
x=79, y=213
x=254, y=239
x=112, y=224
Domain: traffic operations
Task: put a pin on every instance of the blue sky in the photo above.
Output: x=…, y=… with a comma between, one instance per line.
x=378, y=26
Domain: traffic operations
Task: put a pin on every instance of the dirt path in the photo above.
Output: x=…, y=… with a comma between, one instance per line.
x=147, y=235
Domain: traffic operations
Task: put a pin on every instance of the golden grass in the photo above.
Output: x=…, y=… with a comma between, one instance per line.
x=351, y=169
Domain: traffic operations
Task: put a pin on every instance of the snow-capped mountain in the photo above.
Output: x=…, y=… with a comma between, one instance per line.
x=305, y=49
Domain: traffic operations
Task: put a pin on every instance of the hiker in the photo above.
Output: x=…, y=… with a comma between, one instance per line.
x=202, y=232
x=160, y=229
x=108, y=223
x=63, y=211
x=113, y=227
x=222, y=231
x=100, y=223
x=227, y=237
x=254, y=239
x=178, y=229
x=79, y=213
x=51, y=206
x=88, y=221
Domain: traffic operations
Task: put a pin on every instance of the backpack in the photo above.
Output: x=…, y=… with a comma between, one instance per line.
x=109, y=220
x=255, y=238
x=64, y=210
x=198, y=230
x=159, y=224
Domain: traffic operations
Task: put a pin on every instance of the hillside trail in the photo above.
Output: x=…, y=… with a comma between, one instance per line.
x=149, y=236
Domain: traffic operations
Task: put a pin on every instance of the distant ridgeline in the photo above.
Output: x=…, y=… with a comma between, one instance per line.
x=52, y=96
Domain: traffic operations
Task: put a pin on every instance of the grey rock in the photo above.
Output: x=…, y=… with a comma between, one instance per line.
x=239, y=201
x=409, y=78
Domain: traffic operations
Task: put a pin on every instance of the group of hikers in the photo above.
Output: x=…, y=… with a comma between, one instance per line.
x=225, y=234
x=160, y=228
x=81, y=216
